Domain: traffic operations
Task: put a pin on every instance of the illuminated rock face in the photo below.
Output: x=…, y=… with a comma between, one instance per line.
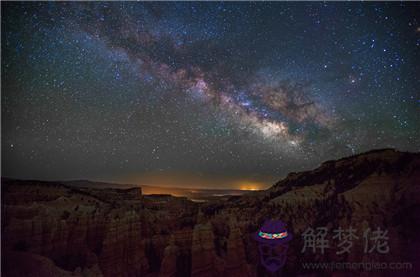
x=123, y=247
x=52, y=229
x=204, y=260
x=74, y=230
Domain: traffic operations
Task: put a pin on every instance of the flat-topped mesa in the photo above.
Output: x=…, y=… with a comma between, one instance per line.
x=107, y=231
x=135, y=193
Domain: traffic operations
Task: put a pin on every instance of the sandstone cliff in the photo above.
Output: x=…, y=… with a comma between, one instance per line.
x=55, y=229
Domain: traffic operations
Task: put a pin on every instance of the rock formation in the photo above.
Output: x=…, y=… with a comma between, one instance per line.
x=56, y=229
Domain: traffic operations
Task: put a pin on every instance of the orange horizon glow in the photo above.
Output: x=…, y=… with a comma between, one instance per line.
x=252, y=186
x=186, y=180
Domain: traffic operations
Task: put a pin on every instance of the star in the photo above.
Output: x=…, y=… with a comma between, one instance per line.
x=224, y=91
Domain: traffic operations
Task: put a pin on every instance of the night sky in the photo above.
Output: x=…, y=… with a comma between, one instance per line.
x=204, y=94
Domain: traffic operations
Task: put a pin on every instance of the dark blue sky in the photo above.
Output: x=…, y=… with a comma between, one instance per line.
x=204, y=94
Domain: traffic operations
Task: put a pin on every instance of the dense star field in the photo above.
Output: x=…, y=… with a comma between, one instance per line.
x=204, y=94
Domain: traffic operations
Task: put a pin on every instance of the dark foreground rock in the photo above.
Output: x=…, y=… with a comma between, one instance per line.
x=55, y=229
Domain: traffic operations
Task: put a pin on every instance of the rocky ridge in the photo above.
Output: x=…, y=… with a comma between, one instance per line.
x=54, y=229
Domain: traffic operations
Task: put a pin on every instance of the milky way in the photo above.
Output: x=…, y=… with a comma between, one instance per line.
x=224, y=92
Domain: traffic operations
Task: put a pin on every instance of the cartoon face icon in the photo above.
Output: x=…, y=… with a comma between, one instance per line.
x=273, y=241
